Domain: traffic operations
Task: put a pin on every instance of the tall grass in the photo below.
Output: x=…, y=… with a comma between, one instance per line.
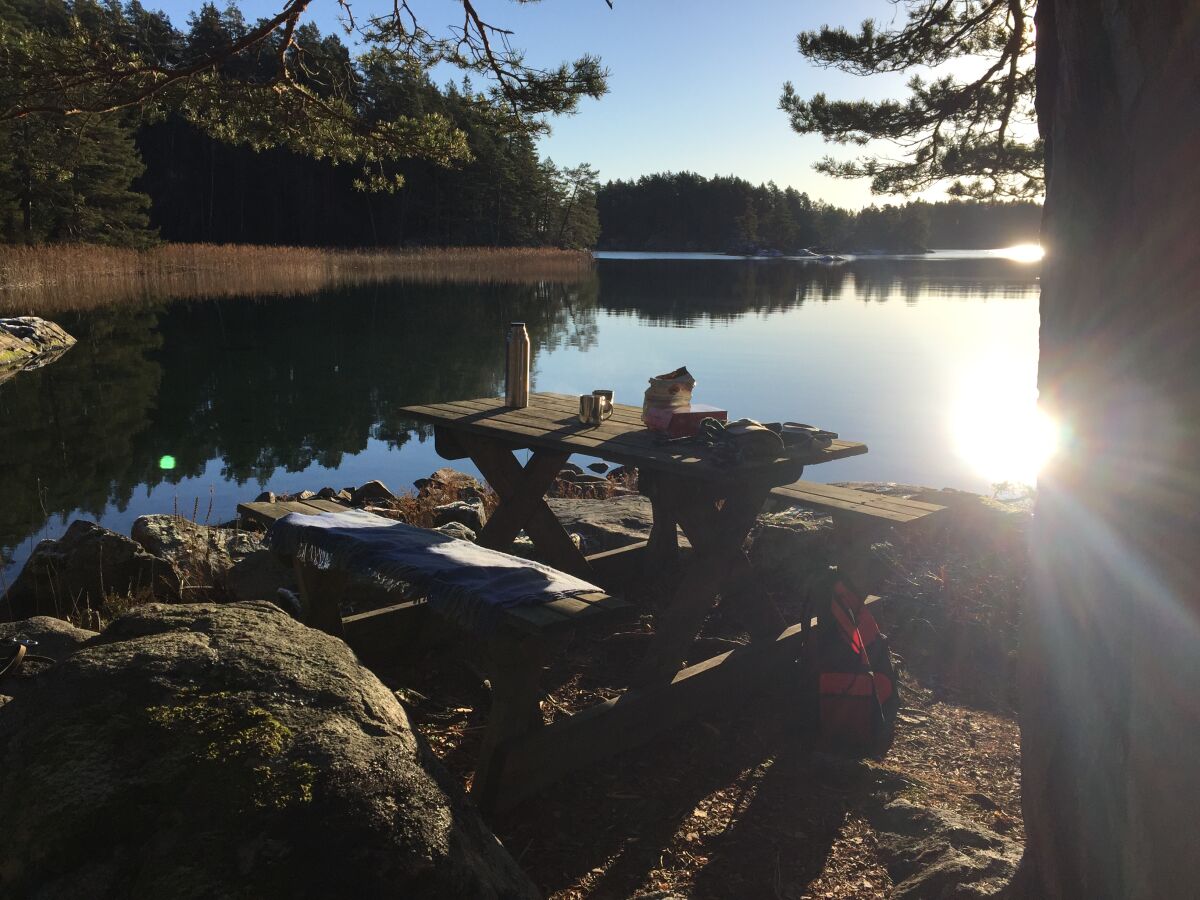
x=41, y=280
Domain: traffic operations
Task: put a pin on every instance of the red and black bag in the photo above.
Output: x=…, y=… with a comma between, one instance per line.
x=855, y=680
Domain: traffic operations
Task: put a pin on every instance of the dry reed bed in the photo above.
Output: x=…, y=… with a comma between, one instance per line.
x=49, y=278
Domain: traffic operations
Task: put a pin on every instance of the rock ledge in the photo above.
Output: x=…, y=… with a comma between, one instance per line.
x=27, y=342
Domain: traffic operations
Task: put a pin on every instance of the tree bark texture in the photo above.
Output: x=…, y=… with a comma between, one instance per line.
x=1111, y=670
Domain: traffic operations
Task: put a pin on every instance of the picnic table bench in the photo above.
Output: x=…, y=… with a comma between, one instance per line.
x=855, y=506
x=519, y=639
x=859, y=517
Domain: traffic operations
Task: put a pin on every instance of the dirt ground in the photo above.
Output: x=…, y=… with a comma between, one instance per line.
x=736, y=804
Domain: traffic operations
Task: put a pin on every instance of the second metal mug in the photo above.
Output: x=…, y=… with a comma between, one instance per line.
x=595, y=407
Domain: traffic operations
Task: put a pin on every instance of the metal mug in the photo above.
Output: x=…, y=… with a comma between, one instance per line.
x=595, y=407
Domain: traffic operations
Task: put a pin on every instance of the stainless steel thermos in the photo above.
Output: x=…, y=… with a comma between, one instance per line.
x=516, y=382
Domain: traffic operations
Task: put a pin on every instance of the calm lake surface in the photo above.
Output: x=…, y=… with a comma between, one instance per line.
x=194, y=406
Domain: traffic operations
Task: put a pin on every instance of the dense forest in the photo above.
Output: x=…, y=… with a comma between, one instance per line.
x=148, y=174
x=155, y=172
x=684, y=211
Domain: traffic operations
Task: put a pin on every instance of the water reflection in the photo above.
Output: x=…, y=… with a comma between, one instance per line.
x=1026, y=253
x=238, y=391
x=997, y=426
x=260, y=385
x=684, y=293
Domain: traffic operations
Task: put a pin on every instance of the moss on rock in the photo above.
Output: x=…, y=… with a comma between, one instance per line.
x=246, y=742
x=226, y=750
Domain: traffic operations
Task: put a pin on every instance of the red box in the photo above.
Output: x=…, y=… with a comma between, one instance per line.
x=683, y=421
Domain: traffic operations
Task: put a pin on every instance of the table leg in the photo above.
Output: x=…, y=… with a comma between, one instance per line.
x=743, y=593
x=716, y=536
x=515, y=668
x=321, y=593
x=522, y=502
x=662, y=549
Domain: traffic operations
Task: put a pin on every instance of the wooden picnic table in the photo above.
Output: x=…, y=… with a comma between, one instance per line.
x=715, y=505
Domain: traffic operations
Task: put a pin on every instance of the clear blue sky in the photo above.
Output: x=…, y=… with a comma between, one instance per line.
x=694, y=85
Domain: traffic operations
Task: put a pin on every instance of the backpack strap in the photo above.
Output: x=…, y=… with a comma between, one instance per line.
x=846, y=607
x=20, y=655
x=14, y=662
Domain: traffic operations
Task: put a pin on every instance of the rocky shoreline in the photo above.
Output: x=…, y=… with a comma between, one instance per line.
x=182, y=680
x=27, y=342
x=91, y=574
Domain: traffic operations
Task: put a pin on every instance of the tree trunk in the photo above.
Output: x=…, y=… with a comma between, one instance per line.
x=1110, y=712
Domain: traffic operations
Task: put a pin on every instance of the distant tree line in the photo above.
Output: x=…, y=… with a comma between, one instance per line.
x=151, y=173
x=688, y=212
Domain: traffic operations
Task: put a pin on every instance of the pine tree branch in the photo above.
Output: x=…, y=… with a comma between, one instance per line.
x=166, y=76
x=950, y=130
x=100, y=82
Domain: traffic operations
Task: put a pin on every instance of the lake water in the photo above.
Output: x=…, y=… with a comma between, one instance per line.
x=194, y=406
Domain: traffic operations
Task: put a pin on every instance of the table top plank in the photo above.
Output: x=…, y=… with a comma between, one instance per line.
x=622, y=412
x=556, y=419
x=550, y=421
x=571, y=438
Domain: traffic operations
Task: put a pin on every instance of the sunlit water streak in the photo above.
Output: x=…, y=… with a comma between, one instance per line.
x=1026, y=253
x=997, y=428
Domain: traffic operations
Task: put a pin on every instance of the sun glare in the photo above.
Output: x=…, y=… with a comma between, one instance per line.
x=1023, y=252
x=999, y=430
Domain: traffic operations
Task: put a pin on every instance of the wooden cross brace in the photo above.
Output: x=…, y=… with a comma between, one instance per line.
x=717, y=528
x=522, y=502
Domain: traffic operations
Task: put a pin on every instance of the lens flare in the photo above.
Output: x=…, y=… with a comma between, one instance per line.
x=166, y=463
x=1022, y=252
x=998, y=428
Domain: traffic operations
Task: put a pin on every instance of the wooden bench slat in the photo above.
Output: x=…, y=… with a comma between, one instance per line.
x=526, y=764
x=382, y=612
x=860, y=508
x=537, y=619
x=322, y=506
x=267, y=513
x=834, y=492
x=561, y=615
x=897, y=510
